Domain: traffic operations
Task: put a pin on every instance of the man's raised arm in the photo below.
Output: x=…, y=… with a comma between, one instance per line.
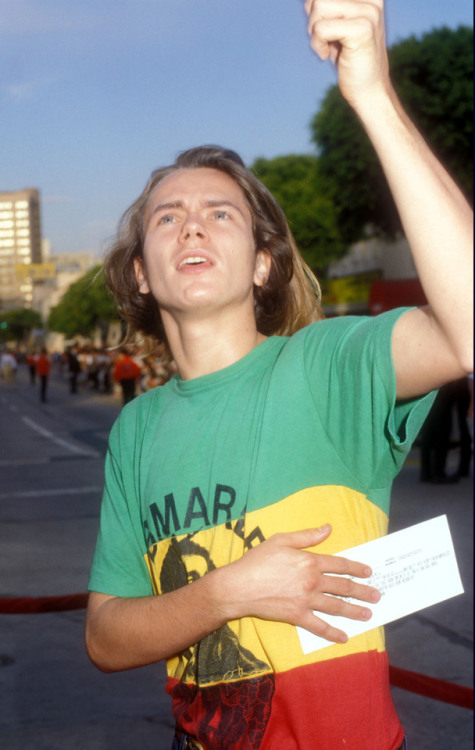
x=431, y=345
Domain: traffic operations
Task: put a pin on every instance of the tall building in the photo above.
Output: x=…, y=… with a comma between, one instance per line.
x=20, y=246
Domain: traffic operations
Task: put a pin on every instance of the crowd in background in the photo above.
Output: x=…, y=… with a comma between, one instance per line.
x=91, y=368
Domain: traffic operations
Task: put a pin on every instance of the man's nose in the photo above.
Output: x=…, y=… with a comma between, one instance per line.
x=193, y=227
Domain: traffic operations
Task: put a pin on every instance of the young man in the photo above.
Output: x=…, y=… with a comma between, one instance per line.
x=230, y=491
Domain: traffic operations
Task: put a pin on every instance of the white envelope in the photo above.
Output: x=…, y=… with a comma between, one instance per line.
x=413, y=568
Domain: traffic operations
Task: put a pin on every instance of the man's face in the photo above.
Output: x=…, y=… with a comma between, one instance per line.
x=199, y=252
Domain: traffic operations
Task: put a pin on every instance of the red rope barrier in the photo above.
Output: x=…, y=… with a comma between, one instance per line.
x=31, y=605
x=430, y=687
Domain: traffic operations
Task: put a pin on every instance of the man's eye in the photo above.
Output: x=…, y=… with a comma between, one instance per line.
x=167, y=219
x=221, y=215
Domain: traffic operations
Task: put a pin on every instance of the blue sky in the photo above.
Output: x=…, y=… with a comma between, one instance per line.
x=94, y=94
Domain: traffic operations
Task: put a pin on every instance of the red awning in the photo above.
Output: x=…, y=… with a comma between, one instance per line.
x=386, y=294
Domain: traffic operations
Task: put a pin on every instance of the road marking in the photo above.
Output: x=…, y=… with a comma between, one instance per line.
x=49, y=493
x=59, y=441
x=25, y=461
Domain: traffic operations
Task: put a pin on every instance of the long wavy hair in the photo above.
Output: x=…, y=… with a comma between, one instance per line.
x=288, y=301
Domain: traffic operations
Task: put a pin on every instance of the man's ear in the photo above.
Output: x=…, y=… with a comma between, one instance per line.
x=140, y=276
x=262, y=268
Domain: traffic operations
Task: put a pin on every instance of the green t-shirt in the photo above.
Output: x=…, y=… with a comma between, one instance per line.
x=300, y=432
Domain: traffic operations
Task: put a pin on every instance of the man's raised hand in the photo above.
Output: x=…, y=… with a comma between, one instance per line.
x=351, y=33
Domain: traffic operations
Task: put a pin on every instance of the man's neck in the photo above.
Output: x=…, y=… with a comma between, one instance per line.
x=200, y=347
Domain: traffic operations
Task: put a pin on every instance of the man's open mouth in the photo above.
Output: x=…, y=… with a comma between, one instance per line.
x=192, y=260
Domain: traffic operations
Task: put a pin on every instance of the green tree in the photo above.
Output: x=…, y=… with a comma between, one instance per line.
x=17, y=324
x=295, y=182
x=86, y=305
x=433, y=76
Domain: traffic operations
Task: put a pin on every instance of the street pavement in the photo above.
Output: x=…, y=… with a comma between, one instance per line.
x=52, y=698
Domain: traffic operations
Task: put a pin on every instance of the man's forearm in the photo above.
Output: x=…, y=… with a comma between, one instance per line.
x=123, y=633
x=437, y=220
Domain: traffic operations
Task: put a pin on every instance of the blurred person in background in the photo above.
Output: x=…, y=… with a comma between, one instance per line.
x=104, y=375
x=446, y=429
x=8, y=366
x=74, y=368
x=43, y=369
x=31, y=362
x=127, y=373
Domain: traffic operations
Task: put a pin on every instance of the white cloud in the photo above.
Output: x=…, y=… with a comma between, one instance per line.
x=20, y=92
x=28, y=89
